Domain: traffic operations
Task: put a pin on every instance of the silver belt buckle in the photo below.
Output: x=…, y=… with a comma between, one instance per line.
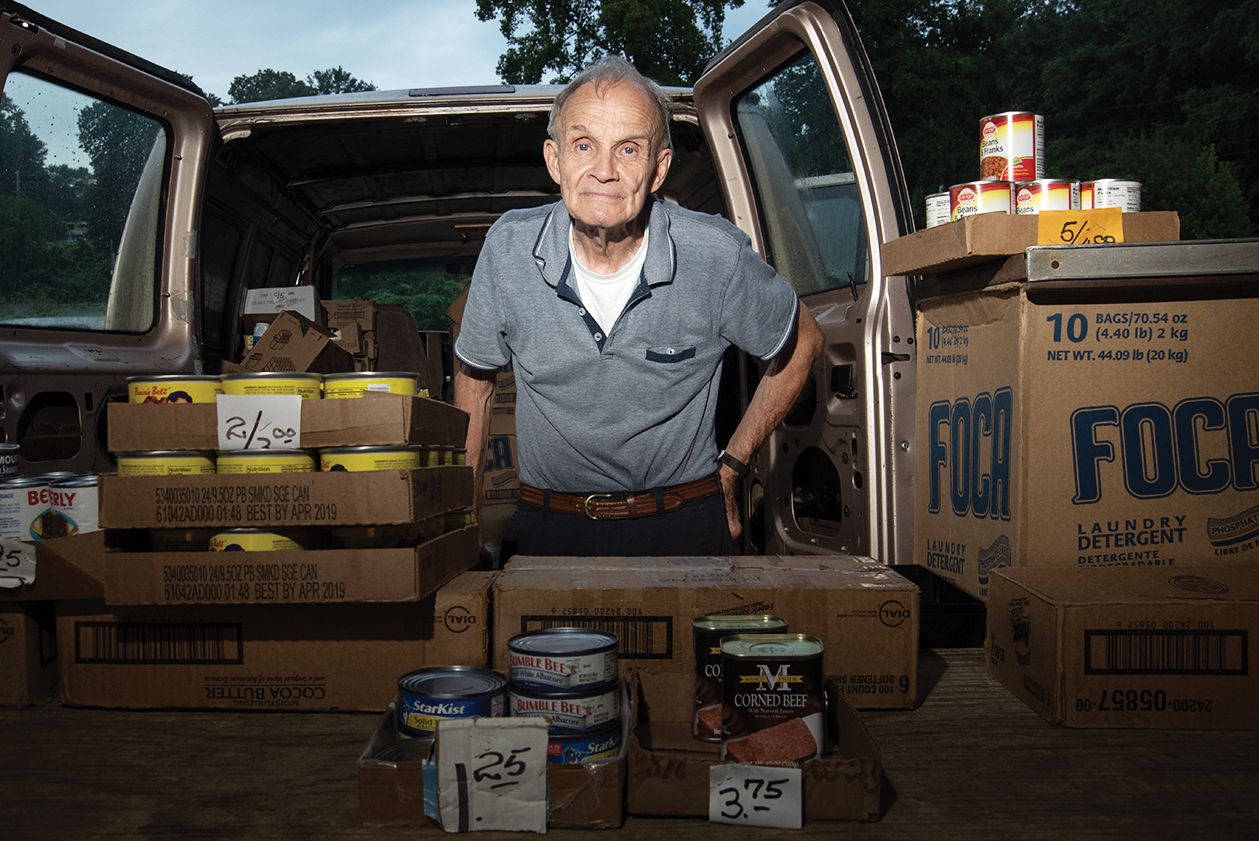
x=586, y=504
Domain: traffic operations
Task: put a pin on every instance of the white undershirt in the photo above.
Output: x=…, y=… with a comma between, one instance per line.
x=605, y=295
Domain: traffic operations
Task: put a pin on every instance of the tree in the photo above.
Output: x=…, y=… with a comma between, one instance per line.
x=280, y=84
x=667, y=40
x=118, y=143
x=337, y=80
x=22, y=153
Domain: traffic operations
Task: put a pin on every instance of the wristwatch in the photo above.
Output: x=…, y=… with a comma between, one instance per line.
x=740, y=468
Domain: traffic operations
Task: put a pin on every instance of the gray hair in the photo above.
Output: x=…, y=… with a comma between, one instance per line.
x=603, y=74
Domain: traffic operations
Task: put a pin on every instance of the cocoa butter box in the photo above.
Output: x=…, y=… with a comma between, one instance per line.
x=1080, y=424
x=1154, y=647
x=865, y=614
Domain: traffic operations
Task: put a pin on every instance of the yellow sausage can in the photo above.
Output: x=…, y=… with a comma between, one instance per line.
x=179, y=540
x=359, y=383
x=458, y=455
x=304, y=385
x=266, y=461
x=355, y=459
x=252, y=540
x=166, y=463
x=173, y=388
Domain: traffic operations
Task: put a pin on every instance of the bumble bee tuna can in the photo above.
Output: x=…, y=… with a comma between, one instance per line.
x=561, y=658
x=166, y=463
x=305, y=386
x=428, y=696
x=356, y=384
x=236, y=462
x=174, y=388
x=571, y=710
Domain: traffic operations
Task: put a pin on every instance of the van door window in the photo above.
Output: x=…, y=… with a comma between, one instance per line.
x=425, y=286
x=816, y=233
x=81, y=183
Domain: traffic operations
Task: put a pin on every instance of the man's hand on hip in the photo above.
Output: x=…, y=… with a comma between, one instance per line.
x=730, y=495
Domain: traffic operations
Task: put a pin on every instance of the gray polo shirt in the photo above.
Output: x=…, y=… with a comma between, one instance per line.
x=632, y=410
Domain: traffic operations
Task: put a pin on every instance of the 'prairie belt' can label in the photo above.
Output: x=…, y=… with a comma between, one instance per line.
x=166, y=463
x=252, y=540
x=571, y=711
x=265, y=461
x=442, y=692
x=773, y=704
x=174, y=388
x=306, y=386
x=708, y=632
x=353, y=459
x=357, y=384
x=561, y=658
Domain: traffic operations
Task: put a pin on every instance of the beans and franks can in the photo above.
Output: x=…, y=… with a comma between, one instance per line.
x=358, y=383
x=306, y=386
x=265, y=461
x=937, y=209
x=166, y=463
x=708, y=632
x=431, y=695
x=561, y=658
x=1031, y=197
x=252, y=540
x=1012, y=146
x=1112, y=192
x=975, y=197
x=354, y=459
x=571, y=710
x=773, y=704
x=576, y=748
x=174, y=388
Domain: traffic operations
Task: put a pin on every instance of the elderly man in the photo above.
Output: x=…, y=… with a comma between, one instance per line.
x=614, y=309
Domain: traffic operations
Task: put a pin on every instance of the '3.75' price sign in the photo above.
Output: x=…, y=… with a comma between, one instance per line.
x=753, y=795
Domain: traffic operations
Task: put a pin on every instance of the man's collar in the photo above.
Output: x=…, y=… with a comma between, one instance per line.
x=551, y=254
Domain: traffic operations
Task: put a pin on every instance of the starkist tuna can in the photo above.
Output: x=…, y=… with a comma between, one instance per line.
x=174, y=388
x=166, y=463
x=354, y=459
x=248, y=462
x=428, y=696
x=306, y=386
x=561, y=658
x=358, y=383
x=772, y=700
x=708, y=631
x=576, y=748
x=571, y=710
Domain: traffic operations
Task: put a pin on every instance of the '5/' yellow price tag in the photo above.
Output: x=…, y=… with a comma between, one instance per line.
x=1080, y=227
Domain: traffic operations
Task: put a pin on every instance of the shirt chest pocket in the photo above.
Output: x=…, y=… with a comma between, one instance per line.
x=670, y=354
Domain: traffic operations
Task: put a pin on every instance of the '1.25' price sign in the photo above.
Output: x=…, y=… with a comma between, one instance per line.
x=753, y=795
x=259, y=421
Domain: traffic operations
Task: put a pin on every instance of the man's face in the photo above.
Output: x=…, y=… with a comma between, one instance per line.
x=606, y=159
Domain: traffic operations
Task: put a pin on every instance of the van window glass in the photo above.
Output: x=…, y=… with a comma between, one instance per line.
x=425, y=286
x=809, y=201
x=81, y=184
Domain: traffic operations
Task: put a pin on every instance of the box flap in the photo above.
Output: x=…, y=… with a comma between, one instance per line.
x=1137, y=585
x=65, y=568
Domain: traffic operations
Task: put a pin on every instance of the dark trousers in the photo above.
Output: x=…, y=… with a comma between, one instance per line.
x=697, y=528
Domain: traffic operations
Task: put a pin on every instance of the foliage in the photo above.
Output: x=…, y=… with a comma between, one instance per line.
x=423, y=287
x=667, y=40
x=280, y=84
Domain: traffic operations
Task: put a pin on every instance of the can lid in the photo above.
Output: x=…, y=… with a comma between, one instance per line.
x=407, y=750
x=371, y=375
x=263, y=454
x=771, y=645
x=87, y=481
x=166, y=454
x=273, y=375
x=563, y=641
x=20, y=481
x=452, y=682
x=739, y=622
x=372, y=448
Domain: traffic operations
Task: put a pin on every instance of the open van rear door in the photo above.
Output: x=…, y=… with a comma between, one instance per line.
x=811, y=174
x=102, y=158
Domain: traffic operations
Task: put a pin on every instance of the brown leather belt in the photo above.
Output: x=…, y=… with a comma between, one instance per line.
x=622, y=506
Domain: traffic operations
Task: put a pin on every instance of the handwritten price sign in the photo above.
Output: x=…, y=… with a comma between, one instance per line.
x=259, y=421
x=1080, y=227
x=491, y=774
x=751, y=795
x=17, y=564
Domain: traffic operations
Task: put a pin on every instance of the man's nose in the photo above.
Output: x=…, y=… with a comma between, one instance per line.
x=604, y=167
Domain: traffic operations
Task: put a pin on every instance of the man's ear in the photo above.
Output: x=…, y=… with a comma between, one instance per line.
x=551, y=154
x=663, y=159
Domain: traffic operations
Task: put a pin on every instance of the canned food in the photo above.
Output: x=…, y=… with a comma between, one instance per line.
x=458, y=455
x=19, y=505
x=431, y=695
x=561, y=658
x=576, y=748
x=265, y=461
x=1031, y=197
x=570, y=710
x=1011, y=146
x=1111, y=192
x=373, y=537
x=358, y=383
x=252, y=540
x=354, y=459
x=174, y=388
x=975, y=197
x=417, y=749
x=180, y=540
x=772, y=697
x=166, y=463
x=937, y=209
x=1086, y=195
x=306, y=386
x=8, y=459
x=429, y=456
x=708, y=632
x=75, y=507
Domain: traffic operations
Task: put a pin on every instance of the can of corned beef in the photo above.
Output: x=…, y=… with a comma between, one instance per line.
x=773, y=703
x=570, y=711
x=1011, y=146
x=428, y=696
x=1032, y=197
x=937, y=209
x=708, y=632
x=561, y=658
x=975, y=197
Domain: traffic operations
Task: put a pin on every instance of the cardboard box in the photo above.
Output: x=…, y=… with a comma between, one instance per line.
x=1084, y=427
x=1149, y=647
x=392, y=793
x=374, y=419
x=271, y=301
x=266, y=657
x=350, y=338
x=865, y=614
x=377, y=497
x=28, y=654
x=65, y=568
x=500, y=481
x=331, y=576
x=989, y=236
x=295, y=343
x=668, y=769
x=348, y=313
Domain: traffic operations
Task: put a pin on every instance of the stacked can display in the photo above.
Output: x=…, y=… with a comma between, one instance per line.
x=47, y=505
x=569, y=676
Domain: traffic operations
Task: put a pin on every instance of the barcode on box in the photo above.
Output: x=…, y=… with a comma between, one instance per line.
x=1206, y=652
x=164, y=643
x=640, y=637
